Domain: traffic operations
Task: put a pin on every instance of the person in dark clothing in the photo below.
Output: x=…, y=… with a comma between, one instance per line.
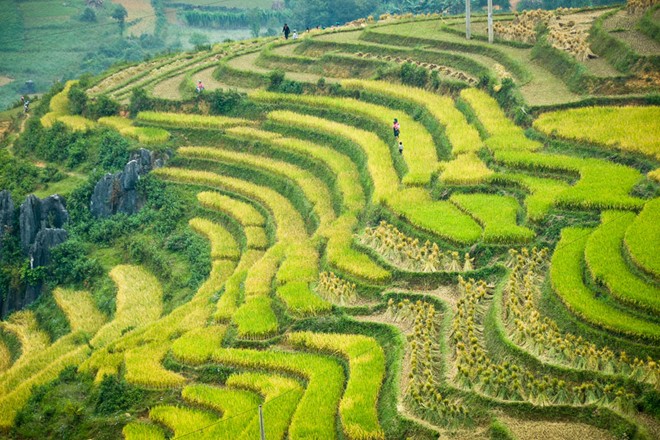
x=286, y=31
x=396, y=128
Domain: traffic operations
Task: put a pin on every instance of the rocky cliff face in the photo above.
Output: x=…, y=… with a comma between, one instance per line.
x=117, y=193
x=6, y=214
x=41, y=225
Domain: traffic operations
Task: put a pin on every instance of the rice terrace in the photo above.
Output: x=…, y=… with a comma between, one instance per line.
x=199, y=241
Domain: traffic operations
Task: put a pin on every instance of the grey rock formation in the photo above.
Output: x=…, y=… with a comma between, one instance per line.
x=6, y=212
x=117, y=193
x=45, y=240
x=40, y=229
x=39, y=214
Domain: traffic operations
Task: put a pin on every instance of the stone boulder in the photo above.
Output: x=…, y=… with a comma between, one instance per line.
x=6, y=212
x=40, y=255
x=117, y=193
x=37, y=214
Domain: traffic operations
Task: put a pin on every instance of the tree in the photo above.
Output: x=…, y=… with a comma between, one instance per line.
x=120, y=14
x=88, y=15
x=198, y=40
x=254, y=20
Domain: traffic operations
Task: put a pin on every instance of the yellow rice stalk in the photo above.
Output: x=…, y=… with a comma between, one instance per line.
x=290, y=225
x=223, y=244
x=315, y=415
x=278, y=412
x=379, y=160
x=253, y=133
x=13, y=401
x=466, y=169
x=142, y=431
x=260, y=276
x=342, y=166
x=183, y=420
x=314, y=188
x=25, y=327
x=504, y=134
x=80, y=310
x=59, y=106
x=5, y=357
x=228, y=302
x=462, y=136
x=243, y=212
x=189, y=121
x=145, y=135
x=654, y=175
x=628, y=128
x=419, y=145
x=77, y=123
x=144, y=367
x=256, y=237
x=139, y=302
x=366, y=360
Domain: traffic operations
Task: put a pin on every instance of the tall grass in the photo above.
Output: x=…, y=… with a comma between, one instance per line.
x=228, y=303
x=627, y=128
x=420, y=153
x=543, y=192
x=24, y=325
x=602, y=185
x=285, y=394
x=144, y=367
x=145, y=135
x=139, y=302
x=465, y=169
x=607, y=265
x=358, y=407
x=566, y=278
x=314, y=189
x=315, y=415
x=184, y=120
x=80, y=310
x=256, y=237
x=379, y=160
x=223, y=244
x=462, y=136
x=256, y=318
x=503, y=133
x=290, y=225
x=142, y=431
x=246, y=214
x=5, y=357
x=642, y=239
x=438, y=217
x=497, y=215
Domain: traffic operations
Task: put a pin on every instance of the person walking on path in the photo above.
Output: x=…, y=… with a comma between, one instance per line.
x=396, y=128
x=400, y=147
x=200, y=86
x=286, y=31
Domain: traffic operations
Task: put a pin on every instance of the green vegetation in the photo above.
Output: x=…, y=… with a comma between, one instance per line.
x=566, y=277
x=628, y=129
x=285, y=255
x=497, y=215
x=607, y=264
x=643, y=237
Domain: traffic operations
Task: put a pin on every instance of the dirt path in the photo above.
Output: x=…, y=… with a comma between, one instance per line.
x=169, y=88
x=547, y=430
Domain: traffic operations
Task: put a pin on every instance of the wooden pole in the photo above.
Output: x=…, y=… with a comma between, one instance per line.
x=261, y=423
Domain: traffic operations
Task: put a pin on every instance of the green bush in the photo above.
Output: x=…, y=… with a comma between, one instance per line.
x=414, y=75
x=223, y=102
x=116, y=395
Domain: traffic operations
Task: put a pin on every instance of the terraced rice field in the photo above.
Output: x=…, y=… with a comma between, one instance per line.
x=492, y=278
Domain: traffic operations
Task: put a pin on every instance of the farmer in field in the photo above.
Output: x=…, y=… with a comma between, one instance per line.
x=200, y=86
x=286, y=31
x=400, y=147
x=396, y=128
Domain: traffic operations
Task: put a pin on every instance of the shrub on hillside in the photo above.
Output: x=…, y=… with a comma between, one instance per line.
x=222, y=102
x=414, y=75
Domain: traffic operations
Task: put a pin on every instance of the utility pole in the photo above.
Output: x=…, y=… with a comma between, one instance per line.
x=490, y=21
x=261, y=423
x=468, y=34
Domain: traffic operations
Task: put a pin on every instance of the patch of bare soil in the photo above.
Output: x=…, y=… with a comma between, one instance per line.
x=546, y=430
x=624, y=27
x=4, y=80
